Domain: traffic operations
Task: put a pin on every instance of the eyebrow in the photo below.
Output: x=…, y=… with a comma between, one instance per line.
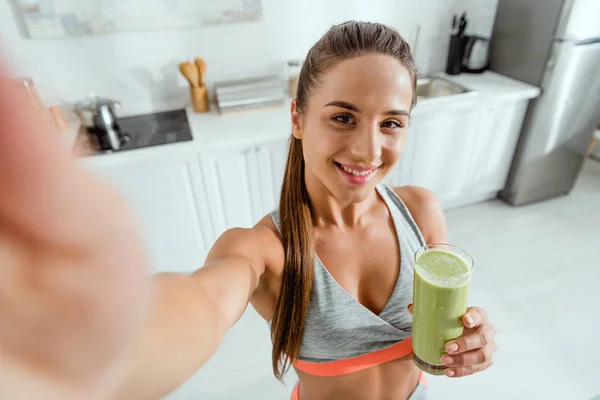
x=352, y=107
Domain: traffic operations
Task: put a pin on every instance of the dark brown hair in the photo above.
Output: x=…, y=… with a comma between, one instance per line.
x=342, y=42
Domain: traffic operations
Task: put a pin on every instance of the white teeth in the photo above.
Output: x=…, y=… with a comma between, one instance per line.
x=353, y=172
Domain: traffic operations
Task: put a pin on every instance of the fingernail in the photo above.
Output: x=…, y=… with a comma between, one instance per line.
x=449, y=372
x=451, y=347
x=447, y=360
x=470, y=320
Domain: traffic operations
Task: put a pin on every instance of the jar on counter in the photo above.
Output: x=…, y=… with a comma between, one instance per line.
x=293, y=74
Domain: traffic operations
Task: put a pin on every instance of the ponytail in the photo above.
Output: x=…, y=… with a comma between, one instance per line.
x=297, y=234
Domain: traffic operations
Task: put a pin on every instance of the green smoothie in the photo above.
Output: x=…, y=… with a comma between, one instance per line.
x=441, y=288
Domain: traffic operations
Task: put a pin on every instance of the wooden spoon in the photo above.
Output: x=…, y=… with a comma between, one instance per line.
x=201, y=64
x=191, y=73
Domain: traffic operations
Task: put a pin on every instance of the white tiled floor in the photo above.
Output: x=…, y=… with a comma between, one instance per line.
x=538, y=276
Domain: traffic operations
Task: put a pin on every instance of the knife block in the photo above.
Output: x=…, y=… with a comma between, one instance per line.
x=456, y=53
x=200, y=99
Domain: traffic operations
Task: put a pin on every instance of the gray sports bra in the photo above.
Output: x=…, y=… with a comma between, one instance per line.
x=337, y=326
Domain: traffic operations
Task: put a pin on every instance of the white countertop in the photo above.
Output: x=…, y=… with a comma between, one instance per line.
x=492, y=84
x=212, y=129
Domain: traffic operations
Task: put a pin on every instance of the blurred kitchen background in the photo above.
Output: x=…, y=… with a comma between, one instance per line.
x=184, y=105
x=141, y=67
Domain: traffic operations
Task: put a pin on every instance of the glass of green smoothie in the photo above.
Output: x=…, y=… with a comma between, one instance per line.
x=441, y=287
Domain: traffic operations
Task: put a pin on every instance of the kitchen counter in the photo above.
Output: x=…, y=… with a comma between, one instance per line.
x=490, y=84
x=186, y=194
x=212, y=129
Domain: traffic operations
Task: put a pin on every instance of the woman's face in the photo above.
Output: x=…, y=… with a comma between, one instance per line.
x=354, y=127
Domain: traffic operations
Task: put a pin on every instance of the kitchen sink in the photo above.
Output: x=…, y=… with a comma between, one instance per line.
x=431, y=87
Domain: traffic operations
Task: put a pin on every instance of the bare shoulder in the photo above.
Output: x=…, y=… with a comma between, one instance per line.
x=261, y=244
x=272, y=239
x=427, y=211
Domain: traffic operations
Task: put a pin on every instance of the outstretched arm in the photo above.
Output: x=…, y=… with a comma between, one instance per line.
x=80, y=315
x=193, y=312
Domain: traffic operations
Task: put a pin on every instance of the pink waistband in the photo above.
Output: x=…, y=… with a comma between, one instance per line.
x=355, y=364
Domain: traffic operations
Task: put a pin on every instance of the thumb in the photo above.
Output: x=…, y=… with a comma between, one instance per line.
x=42, y=194
x=410, y=308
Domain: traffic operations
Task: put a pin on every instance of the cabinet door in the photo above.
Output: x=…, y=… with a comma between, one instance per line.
x=440, y=154
x=272, y=157
x=171, y=212
x=499, y=128
x=230, y=178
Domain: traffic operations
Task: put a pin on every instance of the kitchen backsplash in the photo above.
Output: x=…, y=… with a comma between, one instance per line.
x=140, y=69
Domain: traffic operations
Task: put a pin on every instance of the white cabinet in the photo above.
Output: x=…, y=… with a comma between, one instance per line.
x=184, y=202
x=498, y=132
x=170, y=207
x=243, y=182
x=440, y=151
x=271, y=157
x=231, y=180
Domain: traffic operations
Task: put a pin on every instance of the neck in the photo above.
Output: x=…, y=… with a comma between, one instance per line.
x=328, y=210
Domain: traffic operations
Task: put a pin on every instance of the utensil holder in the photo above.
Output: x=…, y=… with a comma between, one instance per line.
x=200, y=99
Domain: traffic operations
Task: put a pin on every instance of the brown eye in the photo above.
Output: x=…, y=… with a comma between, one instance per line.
x=343, y=119
x=392, y=124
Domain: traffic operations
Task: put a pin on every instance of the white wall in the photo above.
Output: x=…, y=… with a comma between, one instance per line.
x=140, y=69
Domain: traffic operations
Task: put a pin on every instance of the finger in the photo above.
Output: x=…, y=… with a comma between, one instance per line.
x=473, y=357
x=467, y=370
x=29, y=145
x=477, y=339
x=474, y=317
x=43, y=196
x=410, y=308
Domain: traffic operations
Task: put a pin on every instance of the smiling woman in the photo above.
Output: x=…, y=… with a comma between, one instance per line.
x=363, y=101
x=330, y=269
x=348, y=121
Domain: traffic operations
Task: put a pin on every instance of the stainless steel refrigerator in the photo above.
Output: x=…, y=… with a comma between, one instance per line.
x=553, y=44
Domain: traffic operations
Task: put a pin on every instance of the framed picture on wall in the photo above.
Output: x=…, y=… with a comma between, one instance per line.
x=46, y=19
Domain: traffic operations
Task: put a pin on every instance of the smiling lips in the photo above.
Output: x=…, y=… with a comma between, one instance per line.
x=356, y=175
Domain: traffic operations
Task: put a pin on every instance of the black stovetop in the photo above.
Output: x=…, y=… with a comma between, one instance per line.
x=150, y=130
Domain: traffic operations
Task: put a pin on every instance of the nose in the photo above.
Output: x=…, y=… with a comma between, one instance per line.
x=367, y=144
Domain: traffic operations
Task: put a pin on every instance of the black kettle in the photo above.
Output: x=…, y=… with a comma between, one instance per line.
x=476, y=54
x=466, y=53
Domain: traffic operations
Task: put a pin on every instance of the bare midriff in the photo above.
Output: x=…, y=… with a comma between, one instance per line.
x=393, y=380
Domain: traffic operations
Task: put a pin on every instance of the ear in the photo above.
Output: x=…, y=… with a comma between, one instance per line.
x=296, y=120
